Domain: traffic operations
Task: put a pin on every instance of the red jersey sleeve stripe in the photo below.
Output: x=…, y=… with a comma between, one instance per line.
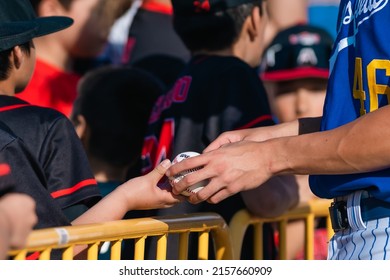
x=12, y=107
x=256, y=121
x=73, y=189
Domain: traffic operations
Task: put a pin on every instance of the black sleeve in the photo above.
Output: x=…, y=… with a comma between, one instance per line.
x=29, y=179
x=67, y=170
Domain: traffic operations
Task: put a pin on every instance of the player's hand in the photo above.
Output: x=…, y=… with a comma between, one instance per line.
x=258, y=134
x=232, y=168
x=251, y=134
x=145, y=192
x=19, y=209
x=226, y=138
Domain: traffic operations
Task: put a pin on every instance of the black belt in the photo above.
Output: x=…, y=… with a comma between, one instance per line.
x=370, y=207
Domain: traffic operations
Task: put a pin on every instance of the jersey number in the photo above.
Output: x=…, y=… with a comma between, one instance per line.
x=155, y=151
x=374, y=89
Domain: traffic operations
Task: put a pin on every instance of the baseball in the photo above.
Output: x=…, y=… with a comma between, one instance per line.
x=194, y=188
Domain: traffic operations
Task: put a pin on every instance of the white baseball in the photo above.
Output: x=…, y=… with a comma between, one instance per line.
x=194, y=188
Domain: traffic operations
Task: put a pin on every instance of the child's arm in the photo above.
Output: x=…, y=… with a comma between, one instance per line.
x=139, y=193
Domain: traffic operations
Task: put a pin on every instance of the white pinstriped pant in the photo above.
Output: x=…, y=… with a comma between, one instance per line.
x=363, y=240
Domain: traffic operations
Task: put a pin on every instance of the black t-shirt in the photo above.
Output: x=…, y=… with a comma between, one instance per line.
x=29, y=178
x=214, y=94
x=52, y=142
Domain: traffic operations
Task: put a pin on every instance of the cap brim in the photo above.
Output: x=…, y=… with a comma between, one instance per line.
x=48, y=25
x=302, y=73
x=16, y=33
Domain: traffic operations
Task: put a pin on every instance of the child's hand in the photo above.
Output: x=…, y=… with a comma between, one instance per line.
x=144, y=192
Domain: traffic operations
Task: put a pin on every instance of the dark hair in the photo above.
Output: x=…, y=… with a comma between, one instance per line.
x=116, y=103
x=5, y=62
x=64, y=3
x=213, y=32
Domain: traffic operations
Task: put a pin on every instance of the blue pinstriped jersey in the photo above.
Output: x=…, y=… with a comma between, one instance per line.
x=359, y=83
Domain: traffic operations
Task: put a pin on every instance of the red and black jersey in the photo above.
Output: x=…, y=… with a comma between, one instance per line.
x=214, y=94
x=28, y=177
x=52, y=141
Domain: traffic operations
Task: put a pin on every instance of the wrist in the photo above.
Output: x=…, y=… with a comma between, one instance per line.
x=127, y=197
x=279, y=157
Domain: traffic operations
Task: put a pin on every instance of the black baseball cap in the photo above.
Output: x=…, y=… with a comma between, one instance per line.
x=301, y=51
x=191, y=7
x=19, y=23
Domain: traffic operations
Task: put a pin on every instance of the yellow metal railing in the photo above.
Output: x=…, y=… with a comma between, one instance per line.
x=209, y=226
x=306, y=212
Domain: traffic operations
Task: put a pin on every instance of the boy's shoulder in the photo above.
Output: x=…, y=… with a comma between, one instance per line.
x=13, y=103
x=16, y=111
x=219, y=65
x=219, y=76
x=221, y=72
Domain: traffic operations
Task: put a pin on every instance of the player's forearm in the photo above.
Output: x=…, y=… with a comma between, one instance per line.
x=359, y=146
